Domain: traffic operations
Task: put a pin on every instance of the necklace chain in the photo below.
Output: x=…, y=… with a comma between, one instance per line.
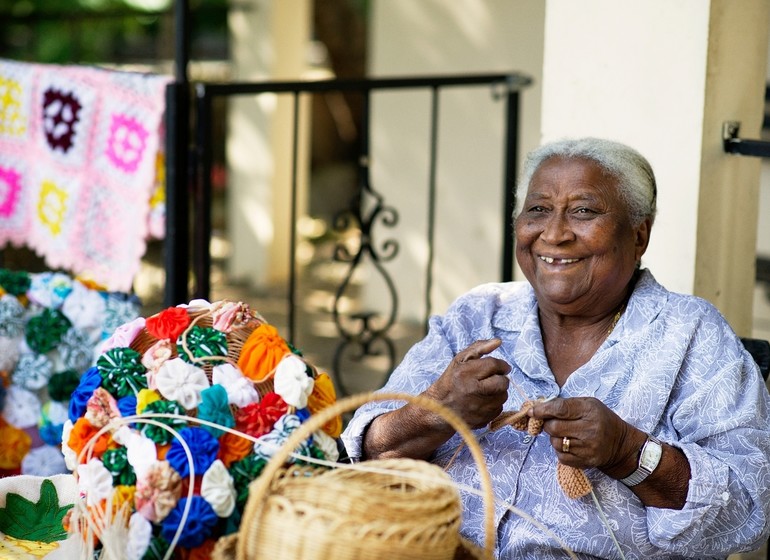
x=616, y=318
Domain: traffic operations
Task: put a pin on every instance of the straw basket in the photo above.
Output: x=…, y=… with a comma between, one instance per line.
x=407, y=509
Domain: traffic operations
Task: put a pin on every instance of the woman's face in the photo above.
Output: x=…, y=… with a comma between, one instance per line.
x=574, y=239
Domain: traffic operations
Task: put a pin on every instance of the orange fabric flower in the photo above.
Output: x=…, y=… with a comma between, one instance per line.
x=81, y=433
x=324, y=395
x=233, y=448
x=169, y=323
x=261, y=353
x=14, y=445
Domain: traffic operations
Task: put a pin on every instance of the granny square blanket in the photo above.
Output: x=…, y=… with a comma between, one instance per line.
x=80, y=154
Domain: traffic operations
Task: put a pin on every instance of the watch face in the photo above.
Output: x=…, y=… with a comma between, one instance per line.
x=651, y=456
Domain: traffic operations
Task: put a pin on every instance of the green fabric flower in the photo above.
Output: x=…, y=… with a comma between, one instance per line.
x=160, y=435
x=116, y=461
x=215, y=408
x=122, y=372
x=204, y=342
x=243, y=472
x=15, y=282
x=62, y=384
x=44, y=331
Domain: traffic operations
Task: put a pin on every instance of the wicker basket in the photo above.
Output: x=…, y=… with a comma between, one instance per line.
x=307, y=513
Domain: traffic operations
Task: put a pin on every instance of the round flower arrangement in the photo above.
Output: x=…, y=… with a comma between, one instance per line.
x=51, y=326
x=180, y=413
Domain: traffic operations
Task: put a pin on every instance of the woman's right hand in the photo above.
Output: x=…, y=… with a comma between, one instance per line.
x=474, y=385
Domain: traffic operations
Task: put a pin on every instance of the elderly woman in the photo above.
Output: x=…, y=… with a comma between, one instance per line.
x=649, y=391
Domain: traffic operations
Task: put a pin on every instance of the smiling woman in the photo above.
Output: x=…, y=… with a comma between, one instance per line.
x=650, y=393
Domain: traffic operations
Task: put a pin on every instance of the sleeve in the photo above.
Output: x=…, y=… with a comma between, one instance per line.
x=719, y=419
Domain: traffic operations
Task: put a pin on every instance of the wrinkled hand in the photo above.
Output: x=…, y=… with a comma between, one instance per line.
x=598, y=437
x=474, y=385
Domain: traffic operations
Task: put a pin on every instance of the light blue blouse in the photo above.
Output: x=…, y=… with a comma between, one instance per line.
x=672, y=367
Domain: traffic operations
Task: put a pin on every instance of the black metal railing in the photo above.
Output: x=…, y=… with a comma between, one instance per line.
x=368, y=332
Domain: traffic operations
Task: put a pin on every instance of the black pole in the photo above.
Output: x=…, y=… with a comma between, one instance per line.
x=202, y=196
x=177, y=257
x=509, y=184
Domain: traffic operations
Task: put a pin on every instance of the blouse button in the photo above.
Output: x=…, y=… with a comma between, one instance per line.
x=527, y=438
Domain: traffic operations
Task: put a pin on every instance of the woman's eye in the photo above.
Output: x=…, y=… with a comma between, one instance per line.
x=584, y=210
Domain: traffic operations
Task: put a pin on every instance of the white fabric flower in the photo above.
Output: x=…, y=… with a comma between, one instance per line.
x=70, y=456
x=45, y=460
x=33, y=371
x=94, y=482
x=292, y=382
x=84, y=308
x=139, y=535
x=56, y=412
x=196, y=305
x=22, y=407
x=140, y=450
x=9, y=352
x=327, y=444
x=182, y=382
x=218, y=489
x=240, y=389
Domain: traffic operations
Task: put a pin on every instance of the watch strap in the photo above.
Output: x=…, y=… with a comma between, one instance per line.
x=649, y=457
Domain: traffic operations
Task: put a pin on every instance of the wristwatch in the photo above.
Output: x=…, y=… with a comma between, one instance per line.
x=649, y=457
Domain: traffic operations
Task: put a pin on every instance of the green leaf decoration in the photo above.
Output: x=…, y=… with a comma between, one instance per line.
x=34, y=521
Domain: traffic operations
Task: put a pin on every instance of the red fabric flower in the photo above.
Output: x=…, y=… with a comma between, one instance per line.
x=257, y=419
x=169, y=323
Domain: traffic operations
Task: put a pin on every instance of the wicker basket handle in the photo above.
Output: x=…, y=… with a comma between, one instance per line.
x=259, y=487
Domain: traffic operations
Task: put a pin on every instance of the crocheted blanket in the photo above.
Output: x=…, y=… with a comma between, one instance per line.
x=80, y=151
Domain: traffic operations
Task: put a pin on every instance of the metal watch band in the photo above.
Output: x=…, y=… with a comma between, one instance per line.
x=643, y=471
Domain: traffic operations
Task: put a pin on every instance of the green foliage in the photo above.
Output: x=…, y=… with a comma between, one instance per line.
x=34, y=521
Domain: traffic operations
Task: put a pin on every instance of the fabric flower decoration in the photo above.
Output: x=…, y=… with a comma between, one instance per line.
x=262, y=352
x=230, y=315
x=203, y=447
x=257, y=419
x=70, y=455
x=156, y=433
x=116, y=461
x=9, y=352
x=22, y=407
x=327, y=445
x=323, y=395
x=45, y=460
x=127, y=405
x=202, y=342
x=292, y=382
x=89, y=382
x=267, y=445
x=49, y=289
x=84, y=308
x=240, y=389
x=122, y=371
x=76, y=350
x=33, y=371
x=15, y=445
x=200, y=523
x=218, y=489
x=44, y=331
x=145, y=397
x=15, y=282
x=94, y=482
x=169, y=323
x=139, y=536
x=51, y=422
x=101, y=408
x=154, y=357
x=214, y=408
x=141, y=452
x=233, y=448
x=119, y=309
x=124, y=335
x=81, y=434
x=63, y=384
x=11, y=316
x=158, y=491
x=179, y=381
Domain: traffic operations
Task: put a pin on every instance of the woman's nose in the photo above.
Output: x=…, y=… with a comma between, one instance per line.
x=557, y=229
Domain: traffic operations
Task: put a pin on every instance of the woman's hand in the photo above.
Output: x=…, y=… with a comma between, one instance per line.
x=597, y=436
x=474, y=385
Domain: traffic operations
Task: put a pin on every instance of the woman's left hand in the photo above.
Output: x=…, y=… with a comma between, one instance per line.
x=586, y=433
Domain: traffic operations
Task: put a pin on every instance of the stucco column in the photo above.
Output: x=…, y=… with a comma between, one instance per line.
x=663, y=76
x=269, y=41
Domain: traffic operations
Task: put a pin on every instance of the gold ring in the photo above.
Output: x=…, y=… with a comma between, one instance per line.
x=565, y=445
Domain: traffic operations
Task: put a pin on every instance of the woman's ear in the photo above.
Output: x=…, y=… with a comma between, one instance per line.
x=642, y=238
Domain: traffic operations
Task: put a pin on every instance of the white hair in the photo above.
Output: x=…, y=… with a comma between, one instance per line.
x=633, y=172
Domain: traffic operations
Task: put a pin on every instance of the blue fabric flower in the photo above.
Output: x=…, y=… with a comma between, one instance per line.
x=215, y=408
x=89, y=382
x=127, y=405
x=51, y=433
x=203, y=446
x=199, y=525
x=303, y=414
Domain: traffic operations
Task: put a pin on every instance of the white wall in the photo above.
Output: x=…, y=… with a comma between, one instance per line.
x=430, y=37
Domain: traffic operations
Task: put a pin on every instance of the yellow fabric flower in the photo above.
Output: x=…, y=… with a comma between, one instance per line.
x=323, y=395
x=14, y=445
x=145, y=397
